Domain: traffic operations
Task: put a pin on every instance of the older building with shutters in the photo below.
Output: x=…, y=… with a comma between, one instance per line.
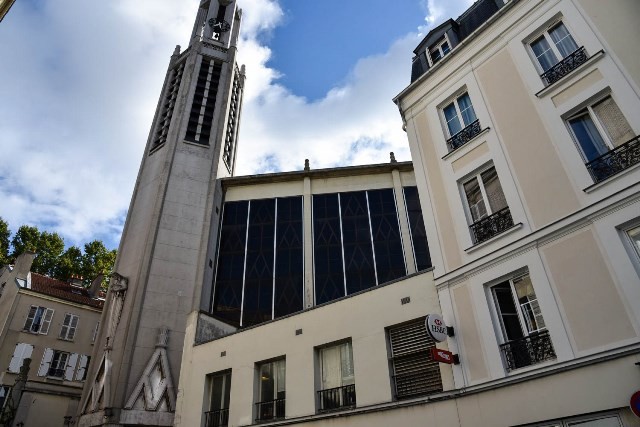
x=54, y=324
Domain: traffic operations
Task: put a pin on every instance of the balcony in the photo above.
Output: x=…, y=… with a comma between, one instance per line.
x=337, y=398
x=218, y=418
x=564, y=67
x=615, y=161
x=464, y=136
x=491, y=225
x=528, y=351
x=270, y=410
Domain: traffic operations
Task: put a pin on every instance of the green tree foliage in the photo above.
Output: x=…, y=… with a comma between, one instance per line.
x=97, y=259
x=47, y=246
x=5, y=234
x=69, y=264
x=52, y=259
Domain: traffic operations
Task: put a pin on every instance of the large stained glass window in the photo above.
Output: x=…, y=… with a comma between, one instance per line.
x=418, y=232
x=289, y=257
x=356, y=236
x=385, y=231
x=260, y=268
x=230, y=272
x=327, y=248
x=258, y=278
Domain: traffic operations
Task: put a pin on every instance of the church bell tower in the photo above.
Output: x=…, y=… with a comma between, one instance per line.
x=165, y=253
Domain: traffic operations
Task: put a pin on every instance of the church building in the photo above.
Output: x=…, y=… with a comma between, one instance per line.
x=493, y=281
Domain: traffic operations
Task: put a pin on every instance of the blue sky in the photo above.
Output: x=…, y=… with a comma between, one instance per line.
x=79, y=83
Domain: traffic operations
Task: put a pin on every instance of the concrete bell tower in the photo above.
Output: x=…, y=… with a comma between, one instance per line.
x=164, y=258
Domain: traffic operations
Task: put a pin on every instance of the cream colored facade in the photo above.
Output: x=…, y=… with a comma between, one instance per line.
x=570, y=228
x=362, y=318
x=48, y=397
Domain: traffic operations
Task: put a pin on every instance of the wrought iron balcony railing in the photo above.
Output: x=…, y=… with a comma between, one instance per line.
x=464, y=136
x=491, y=225
x=615, y=161
x=218, y=418
x=270, y=410
x=564, y=67
x=337, y=398
x=528, y=351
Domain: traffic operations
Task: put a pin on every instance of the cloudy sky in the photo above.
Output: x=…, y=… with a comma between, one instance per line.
x=80, y=79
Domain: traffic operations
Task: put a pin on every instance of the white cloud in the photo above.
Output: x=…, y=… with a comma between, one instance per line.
x=80, y=83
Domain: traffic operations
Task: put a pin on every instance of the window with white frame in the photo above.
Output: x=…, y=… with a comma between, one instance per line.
x=487, y=210
x=552, y=46
x=458, y=114
x=58, y=364
x=38, y=320
x=21, y=352
x=337, y=377
x=439, y=50
x=523, y=333
x=599, y=127
x=219, y=396
x=271, y=390
x=69, y=326
x=634, y=237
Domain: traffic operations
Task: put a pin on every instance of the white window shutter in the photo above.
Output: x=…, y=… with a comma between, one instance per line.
x=72, y=327
x=21, y=352
x=71, y=367
x=30, y=317
x=82, y=367
x=46, y=362
x=95, y=332
x=46, y=321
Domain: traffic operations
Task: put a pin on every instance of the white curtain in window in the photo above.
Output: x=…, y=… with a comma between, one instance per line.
x=331, y=369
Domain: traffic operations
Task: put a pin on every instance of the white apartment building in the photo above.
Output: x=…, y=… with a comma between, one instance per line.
x=523, y=134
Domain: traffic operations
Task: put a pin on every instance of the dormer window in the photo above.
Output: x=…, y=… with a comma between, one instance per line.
x=439, y=50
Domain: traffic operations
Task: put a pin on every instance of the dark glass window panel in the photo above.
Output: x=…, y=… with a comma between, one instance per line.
x=258, y=282
x=327, y=248
x=228, y=287
x=418, y=232
x=356, y=236
x=387, y=241
x=507, y=311
x=289, y=257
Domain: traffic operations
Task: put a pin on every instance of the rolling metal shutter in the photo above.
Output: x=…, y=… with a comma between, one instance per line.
x=414, y=372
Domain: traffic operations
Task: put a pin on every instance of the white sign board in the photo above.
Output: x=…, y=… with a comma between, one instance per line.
x=436, y=327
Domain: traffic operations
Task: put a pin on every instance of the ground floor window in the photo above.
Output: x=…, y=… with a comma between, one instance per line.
x=219, y=393
x=602, y=420
x=271, y=390
x=337, y=377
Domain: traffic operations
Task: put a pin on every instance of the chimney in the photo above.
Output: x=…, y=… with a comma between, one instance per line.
x=23, y=264
x=94, y=289
x=76, y=280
